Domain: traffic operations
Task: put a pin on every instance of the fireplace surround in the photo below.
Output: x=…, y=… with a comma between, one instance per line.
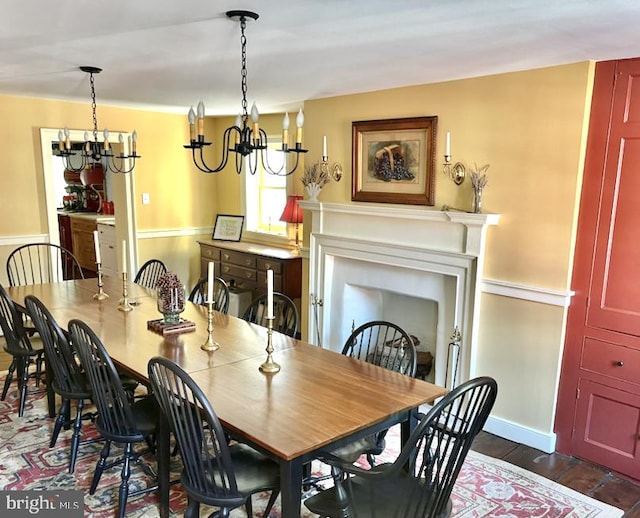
x=416, y=266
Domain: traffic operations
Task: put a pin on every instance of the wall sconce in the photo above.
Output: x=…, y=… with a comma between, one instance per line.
x=334, y=170
x=456, y=172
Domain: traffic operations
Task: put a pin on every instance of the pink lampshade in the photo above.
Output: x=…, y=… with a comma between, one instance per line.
x=292, y=212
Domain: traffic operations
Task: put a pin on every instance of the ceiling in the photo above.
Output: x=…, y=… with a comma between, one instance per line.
x=168, y=55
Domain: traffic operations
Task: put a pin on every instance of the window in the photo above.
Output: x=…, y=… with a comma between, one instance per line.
x=266, y=194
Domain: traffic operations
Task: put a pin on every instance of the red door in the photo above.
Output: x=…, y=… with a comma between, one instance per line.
x=598, y=415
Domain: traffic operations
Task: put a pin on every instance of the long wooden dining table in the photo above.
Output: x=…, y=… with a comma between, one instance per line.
x=318, y=400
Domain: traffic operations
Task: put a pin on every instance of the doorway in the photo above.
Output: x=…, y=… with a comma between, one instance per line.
x=122, y=193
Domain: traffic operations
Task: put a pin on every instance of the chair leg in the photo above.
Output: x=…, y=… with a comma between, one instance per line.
x=272, y=500
x=248, y=505
x=60, y=421
x=193, y=509
x=75, y=438
x=102, y=462
x=23, y=387
x=9, y=378
x=123, y=493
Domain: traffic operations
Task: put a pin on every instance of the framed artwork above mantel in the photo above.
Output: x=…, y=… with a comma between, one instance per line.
x=394, y=160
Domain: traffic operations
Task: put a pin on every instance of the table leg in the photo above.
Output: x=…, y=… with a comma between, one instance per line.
x=163, y=455
x=291, y=488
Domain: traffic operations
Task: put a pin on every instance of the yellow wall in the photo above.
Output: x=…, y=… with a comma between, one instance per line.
x=531, y=128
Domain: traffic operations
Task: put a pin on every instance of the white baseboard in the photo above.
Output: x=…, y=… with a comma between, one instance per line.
x=520, y=434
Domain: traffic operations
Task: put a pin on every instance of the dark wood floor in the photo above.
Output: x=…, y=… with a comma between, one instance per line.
x=589, y=479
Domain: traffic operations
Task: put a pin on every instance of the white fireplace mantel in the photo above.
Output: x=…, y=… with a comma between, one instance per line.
x=411, y=245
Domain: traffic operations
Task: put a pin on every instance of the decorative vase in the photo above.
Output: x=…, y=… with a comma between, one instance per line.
x=477, y=201
x=313, y=189
x=171, y=303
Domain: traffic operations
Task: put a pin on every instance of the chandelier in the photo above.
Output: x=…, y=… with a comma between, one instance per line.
x=92, y=151
x=244, y=138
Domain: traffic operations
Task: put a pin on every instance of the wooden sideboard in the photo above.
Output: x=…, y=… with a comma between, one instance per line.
x=244, y=266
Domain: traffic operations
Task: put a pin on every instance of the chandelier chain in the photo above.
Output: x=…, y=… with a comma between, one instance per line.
x=243, y=73
x=93, y=108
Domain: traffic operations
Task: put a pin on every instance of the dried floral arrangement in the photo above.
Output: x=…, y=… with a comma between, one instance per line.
x=479, y=177
x=314, y=174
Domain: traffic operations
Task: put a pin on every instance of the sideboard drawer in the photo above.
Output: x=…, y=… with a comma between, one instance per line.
x=238, y=272
x=611, y=360
x=208, y=253
x=265, y=264
x=245, y=260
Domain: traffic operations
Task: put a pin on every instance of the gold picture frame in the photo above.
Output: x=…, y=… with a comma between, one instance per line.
x=394, y=160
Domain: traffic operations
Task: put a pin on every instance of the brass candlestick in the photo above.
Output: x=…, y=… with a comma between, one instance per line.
x=101, y=295
x=124, y=301
x=269, y=366
x=210, y=344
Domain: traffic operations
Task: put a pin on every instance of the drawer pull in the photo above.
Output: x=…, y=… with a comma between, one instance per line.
x=247, y=262
x=248, y=275
x=226, y=256
x=225, y=269
x=619, y=363
x=267, y=266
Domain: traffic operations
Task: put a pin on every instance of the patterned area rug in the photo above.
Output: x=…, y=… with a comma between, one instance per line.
x=485, y=487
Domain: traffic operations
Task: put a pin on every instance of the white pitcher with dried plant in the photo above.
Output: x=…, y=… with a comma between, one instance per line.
x=314, y=179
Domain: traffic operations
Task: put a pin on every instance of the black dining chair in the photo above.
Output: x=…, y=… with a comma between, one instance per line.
x=285, y=313
x=41, y=263
x=435, y=452
x=220, y=294
x=119, y=420
x=214, y=472
x=69, y=381
x=384, y=344
x=25, y=351
x=149, y=273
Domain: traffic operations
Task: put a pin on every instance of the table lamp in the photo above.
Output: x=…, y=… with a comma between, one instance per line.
x=292, y=213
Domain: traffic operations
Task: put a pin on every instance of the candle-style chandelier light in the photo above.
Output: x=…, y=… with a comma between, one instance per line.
x=92, y=151
x=244, y=138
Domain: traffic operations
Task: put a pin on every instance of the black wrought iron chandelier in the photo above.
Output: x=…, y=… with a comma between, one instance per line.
x=93, y=151
x=245, y=139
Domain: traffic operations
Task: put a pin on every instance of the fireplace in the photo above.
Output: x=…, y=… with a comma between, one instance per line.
x=414, y=266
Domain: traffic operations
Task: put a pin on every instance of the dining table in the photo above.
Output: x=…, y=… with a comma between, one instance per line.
x=318, y=400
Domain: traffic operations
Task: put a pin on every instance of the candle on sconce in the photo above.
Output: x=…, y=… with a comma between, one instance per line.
x=324, y=147
x=210, y=282
x=269, y=293
x=96, y=244
x=447, y=151
x=124, y=256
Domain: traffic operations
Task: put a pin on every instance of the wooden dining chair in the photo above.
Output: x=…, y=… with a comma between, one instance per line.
x=25, y=352
x=40, y=263
x=240, y=471
x=67, y=378
x=435, y=452
x=118, y=420
x=220, y=294
x=149, y=273
x=284, y=311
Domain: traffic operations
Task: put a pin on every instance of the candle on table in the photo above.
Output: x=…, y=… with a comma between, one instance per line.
x=210, y=281
x=269, y=293
x=124, y=256
x=96, y=243
x=324, y=147
x=447, y=151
